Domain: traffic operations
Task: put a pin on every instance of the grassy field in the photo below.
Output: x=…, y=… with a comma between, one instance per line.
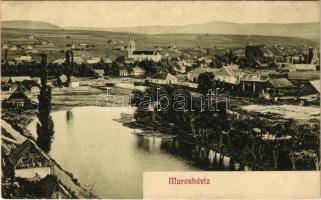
x=106, y=42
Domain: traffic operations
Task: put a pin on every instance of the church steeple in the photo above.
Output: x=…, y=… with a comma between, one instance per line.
x=131, y=46
x=315, y=56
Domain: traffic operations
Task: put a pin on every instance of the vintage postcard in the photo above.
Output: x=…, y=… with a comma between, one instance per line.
x=160, y=99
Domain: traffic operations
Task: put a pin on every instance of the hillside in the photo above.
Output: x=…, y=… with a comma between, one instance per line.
x=25, y=24
x=304, y=30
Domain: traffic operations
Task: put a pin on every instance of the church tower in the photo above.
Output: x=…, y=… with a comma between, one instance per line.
x=131, y=46
x=315, y=57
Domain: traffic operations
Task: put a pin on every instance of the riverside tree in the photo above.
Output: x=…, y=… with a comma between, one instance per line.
x=45, y=126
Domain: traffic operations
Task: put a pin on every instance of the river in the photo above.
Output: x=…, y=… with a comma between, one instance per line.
x=107, y=157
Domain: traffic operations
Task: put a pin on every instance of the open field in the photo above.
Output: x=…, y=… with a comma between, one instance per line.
x=300, y=113
x=112, y=44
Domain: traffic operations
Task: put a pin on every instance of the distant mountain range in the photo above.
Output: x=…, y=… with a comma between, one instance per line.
x=303, y=30
x=26, y=24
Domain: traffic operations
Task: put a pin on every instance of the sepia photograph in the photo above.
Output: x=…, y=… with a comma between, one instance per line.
x=95, y=94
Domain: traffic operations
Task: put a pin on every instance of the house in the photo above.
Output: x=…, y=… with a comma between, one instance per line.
x=193, y=74
x=51, y=188
x=123, y=72
x=280, y=87
x=74, y=82
x=62, y=80
x=163, y=78
x=138, y=71
x=32, y=86
x=5, y=46
x=228, y=74
x=107, y=60
x=311, y=88
x=142, y=55
x=9, y=88
x=99, y=73
x=299, y=67
x=253, y=83
x=135, y=71
x=28, y=161
x=18, y=79
x=22, y=98
x=78, y=60
x=310, y=93
x=93, y=61
x=204, y=59
x=59, y=61
x=303, y=76
x=36, y=79
x=5, y=80
x=29, y=47
x=23, y=59
x=13, y=48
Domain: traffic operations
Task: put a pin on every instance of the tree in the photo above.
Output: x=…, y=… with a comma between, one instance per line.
x=69, y=65
x=205, y=82
x=45, y=126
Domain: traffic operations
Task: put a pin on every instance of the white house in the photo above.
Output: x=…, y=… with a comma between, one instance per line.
x=163, y=78
x=93, y=61
x=138, y=71
x=300, y=67
x=123, y=72
x=193, y=74
x=228, y=74
x=74, y=82
x=23, y=59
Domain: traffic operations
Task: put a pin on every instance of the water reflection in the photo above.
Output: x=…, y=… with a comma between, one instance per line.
x=199, y=156
x=96, y=149
x=69, y=115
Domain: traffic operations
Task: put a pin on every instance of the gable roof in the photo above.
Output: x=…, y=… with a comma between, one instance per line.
x=200, y=70
x=73, y=79
x=316, y=85
x=304, y=76
x=20, y=150
x=22, y=92
x=139, y=69
x=163, y=76
x=281, y=83
x=19, y=78
x=28, y=84
x=225, y=71
x=5, y=79
x=62, y=78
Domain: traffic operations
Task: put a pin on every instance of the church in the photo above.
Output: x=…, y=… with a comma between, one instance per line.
x=142, y=55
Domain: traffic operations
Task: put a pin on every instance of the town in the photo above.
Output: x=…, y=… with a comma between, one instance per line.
x=267, y=90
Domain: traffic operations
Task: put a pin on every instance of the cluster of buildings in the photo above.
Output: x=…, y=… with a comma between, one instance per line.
x=22, y=91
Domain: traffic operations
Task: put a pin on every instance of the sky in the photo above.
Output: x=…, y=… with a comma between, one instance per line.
x=144, y=13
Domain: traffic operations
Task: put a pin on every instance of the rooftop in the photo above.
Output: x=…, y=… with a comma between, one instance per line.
x=281, y=83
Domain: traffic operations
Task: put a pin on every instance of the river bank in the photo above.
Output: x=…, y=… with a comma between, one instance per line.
x=163, y=130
